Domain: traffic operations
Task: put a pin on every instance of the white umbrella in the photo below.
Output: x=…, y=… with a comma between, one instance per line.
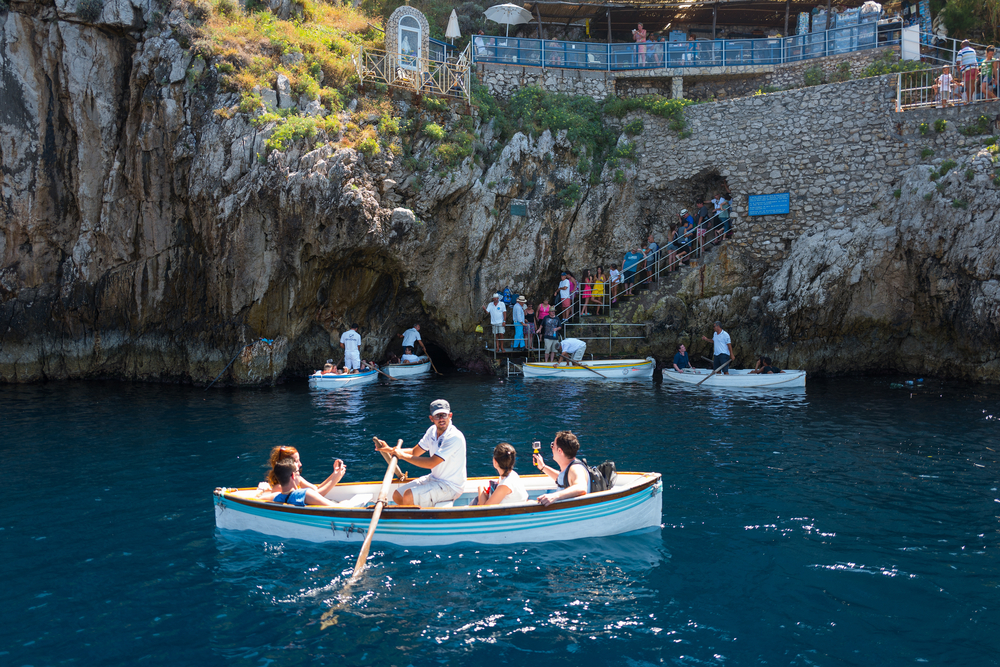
x=452, y=31
x=509, y=14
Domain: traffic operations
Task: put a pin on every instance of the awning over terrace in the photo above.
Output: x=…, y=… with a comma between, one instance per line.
x=656, y=16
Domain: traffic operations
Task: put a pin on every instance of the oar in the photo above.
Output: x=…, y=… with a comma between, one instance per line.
x=715, y=371
x=582, y=366
x=429, y=358
x=379, y=504
x=386, y=374
x=399, y=473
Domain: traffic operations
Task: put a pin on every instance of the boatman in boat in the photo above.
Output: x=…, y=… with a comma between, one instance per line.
x=350, y=341
x=572, y=477
x=411, y=337
x=444, y=446
x=723, y=350
x=572, y=349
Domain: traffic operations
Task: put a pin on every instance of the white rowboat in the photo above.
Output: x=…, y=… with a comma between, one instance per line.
x=736, y=379
x=408, y=370
x=331, y=381
x=635, y=504
x=611, y=369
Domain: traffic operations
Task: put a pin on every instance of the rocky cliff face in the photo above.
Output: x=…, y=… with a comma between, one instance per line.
x=144, y=236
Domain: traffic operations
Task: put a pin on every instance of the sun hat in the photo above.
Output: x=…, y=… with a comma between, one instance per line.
x=521, y=299
x=496, y=295
x=683, y=211
x=439, y=406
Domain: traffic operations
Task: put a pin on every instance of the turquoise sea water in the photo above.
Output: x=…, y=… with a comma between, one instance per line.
x=847, y=524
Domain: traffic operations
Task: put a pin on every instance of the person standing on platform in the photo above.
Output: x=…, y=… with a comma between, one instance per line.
x=629, y=267
x=518, y=317
x=563, y=292
x=550, y=332
x=498, y=320
x=529, y=326
x=723, y=350
x=350, y=342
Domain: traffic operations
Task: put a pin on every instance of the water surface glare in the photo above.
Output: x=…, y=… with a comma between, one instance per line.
x=847, y=524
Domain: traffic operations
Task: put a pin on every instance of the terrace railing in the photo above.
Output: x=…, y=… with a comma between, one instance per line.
x=928, y=88
x=654, y=55
x=422, y=75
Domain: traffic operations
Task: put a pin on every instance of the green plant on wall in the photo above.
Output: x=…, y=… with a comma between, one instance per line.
x=813, y=76
x=924, y=129
x=940, y=124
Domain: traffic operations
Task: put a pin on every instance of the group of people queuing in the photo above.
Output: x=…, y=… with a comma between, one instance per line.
x=971, y=80
x=533, y=325
x=707, y=222
x=442, y=452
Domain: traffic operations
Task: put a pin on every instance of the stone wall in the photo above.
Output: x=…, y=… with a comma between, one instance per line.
x=839, y=149
x=699, y=83
x=503, y=81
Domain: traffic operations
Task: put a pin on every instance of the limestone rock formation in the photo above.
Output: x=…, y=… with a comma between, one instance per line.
x=146, y=237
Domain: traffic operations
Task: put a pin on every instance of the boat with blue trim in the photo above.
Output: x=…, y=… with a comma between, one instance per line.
x=333, y=381
x=633, y=505
x=595, y=369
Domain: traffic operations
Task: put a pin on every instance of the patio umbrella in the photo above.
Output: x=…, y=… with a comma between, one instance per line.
x=452, y=31
x=509, y=14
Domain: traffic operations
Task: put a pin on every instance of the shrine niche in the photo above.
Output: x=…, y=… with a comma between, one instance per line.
x=407, y=34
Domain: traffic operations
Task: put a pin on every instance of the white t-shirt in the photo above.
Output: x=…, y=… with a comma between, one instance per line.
x=496, y=312
x=571, y=345
x=410, y=336
x=722, y=342
x=564, y=288
x=451, y=448
x=945, y=83
x=518, y=494
x=410, y=359
x=615, y=276
x=351, y=340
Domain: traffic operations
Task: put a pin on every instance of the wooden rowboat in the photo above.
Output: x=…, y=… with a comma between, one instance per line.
x=408, y=370
x=635, y=504
x=741, y=379
x=331, y=381
x=610, y=369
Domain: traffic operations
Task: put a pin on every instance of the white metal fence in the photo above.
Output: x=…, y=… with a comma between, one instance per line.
x=946, y=86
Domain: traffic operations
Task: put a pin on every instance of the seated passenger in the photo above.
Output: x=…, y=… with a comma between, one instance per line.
x=681, y=359
x=572, y=477
x=764, y=367
x=409, y=357
x=508, y=488
x=285, y=474
x=279, y=453
x=329, y=368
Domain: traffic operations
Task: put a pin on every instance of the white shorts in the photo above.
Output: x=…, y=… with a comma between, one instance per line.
x=428, y=491
x=352, y=360
x=578, y=355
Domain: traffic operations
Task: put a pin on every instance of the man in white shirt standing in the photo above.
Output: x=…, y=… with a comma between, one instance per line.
x=564, y=297
x=350, y=341
x=723, y=351
x=572, y=349
x=444, y=446
x=498, y=319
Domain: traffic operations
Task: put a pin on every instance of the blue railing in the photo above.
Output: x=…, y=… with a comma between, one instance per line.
x=653, y=55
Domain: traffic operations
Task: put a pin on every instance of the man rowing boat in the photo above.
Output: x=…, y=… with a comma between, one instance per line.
x=444, y=446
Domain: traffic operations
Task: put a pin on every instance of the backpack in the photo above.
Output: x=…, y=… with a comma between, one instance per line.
x=602, y=477
x=508, y=297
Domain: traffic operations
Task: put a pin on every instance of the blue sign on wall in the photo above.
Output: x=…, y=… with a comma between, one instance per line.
x=776, y=204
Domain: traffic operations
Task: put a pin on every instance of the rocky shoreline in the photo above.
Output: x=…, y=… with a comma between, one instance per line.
x=148, y=238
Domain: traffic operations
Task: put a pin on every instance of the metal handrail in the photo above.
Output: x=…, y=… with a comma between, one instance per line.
x=423, y=75
x=925, y=88
x=530, y=52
